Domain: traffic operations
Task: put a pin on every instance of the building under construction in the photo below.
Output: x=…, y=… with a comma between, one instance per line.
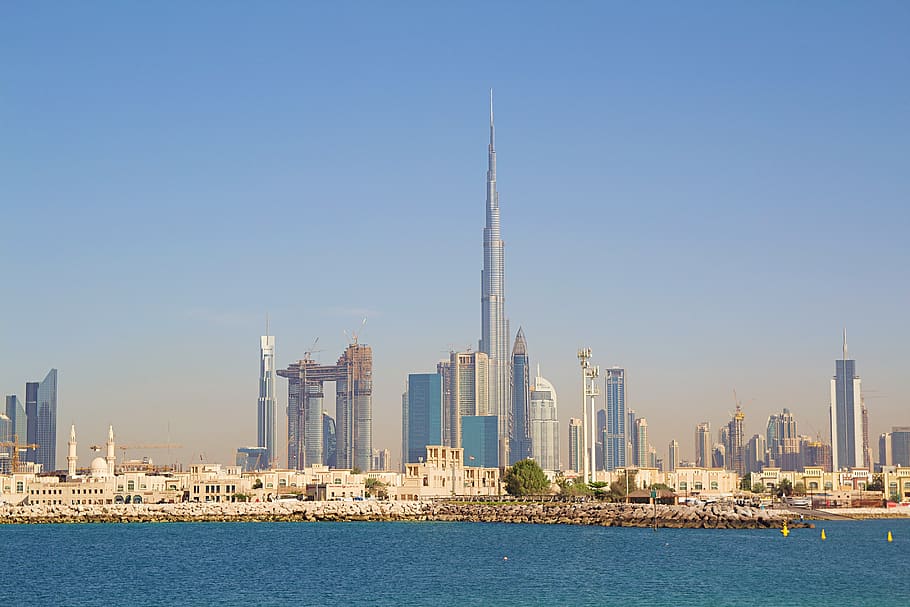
x=353, y=377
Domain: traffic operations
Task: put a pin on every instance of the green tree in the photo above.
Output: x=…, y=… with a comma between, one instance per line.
x=356, y=470
x=784, y=487
x=799, y=488
x=526, y=478
x=877, y=484
x=745, y=483
x=376, y=487
x=758, y=488
x=578, y=488
x=895, y=497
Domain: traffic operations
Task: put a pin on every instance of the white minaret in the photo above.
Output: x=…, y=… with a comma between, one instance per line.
x=110, y=451
x=71, y=455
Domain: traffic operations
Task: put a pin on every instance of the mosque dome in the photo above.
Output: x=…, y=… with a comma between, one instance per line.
x=99, y=467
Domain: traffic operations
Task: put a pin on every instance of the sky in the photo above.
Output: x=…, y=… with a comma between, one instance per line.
x=704, y=193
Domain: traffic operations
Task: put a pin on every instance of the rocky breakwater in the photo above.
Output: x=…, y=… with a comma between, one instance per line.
x=713, y=516
x=290, y=511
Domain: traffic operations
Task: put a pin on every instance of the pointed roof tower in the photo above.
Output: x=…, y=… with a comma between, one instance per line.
x=521, y=345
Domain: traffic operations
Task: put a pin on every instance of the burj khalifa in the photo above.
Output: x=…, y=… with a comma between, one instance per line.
x=494, y=339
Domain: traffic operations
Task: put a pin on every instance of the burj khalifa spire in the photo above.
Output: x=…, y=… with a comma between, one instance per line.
x=494, y=339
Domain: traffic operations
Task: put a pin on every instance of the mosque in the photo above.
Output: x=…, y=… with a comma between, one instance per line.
x=101, y=485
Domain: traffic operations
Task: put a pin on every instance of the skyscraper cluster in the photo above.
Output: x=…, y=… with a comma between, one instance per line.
x=34, y=423
x=353, y=424
x=485, y=401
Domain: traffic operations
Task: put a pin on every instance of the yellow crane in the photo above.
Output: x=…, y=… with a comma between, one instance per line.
x=16, y=447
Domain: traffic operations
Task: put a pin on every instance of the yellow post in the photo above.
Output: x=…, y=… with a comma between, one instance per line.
x=890, y=537
x=824, y=537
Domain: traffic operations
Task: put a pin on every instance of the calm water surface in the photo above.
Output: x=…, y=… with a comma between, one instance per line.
x=450, y=564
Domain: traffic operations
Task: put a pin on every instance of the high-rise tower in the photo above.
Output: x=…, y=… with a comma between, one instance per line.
x=615, y=447
x=494, y=340
x=544, y=423
x=846, y=414
x=45, y=421
x=520, y=431
x=353, y=377
x=267, y=407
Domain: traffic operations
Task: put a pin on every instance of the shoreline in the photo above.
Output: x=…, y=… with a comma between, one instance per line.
x=714, y=516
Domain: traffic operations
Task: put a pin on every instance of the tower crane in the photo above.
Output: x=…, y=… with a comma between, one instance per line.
x=16, y=445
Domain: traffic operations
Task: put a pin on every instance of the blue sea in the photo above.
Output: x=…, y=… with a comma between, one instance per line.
x=450, y=564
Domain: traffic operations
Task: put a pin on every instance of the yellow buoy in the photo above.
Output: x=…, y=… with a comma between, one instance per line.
x=824, y=537
x=784, y=530
x=890, y=538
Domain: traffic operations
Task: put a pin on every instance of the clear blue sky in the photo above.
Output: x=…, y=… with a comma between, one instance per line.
x=704, y=193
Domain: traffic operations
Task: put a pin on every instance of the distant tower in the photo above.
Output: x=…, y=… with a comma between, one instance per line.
x=111, y=458
x=424, y=414
x=267, y=409
x=576, y=446
x=45, y=416
x=520, y=431
x=867, y=447
x=846, y=414
x=469, y=389
x=544, y=424
x=328, y=440
x=735, y=441
x=673, y=456
x=703, y=455
x=494, y=341
x=15, y=410
x=71, y=454
x=353, y=377
x=642, y=459
x=615, y=449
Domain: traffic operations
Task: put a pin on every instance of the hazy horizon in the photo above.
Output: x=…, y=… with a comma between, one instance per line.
x=705, y=196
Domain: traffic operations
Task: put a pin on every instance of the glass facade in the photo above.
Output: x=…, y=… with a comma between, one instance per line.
x=519, y=428
x=15, y=411
x=544, y=425
x=267, y=408
x=480, y=440
x=424, y=414
x=46, y=422
x=617, y=438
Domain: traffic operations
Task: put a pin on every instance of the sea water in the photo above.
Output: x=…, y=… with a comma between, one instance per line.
x=451, y=564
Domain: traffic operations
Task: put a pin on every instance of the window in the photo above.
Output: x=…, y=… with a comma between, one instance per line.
x=130, y=485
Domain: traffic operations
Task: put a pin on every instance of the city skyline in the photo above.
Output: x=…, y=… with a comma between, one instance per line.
x=709, y=182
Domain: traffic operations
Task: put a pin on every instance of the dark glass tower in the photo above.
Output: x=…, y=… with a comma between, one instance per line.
x=424, y=414
x=615, y=449
x=846, y=414
x=520, y=428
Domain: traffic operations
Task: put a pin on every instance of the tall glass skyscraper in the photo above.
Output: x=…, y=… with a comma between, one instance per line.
x=846, y=414
x=267, y=406
x=615, y=448
x=494, y=341
x=15, y=411
x=544, y=424
x=424, y=410
x=31, y=415
x=576, y=446
x=328, y=440
x=520, y=431
x=468, y=389
x=46, y=422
